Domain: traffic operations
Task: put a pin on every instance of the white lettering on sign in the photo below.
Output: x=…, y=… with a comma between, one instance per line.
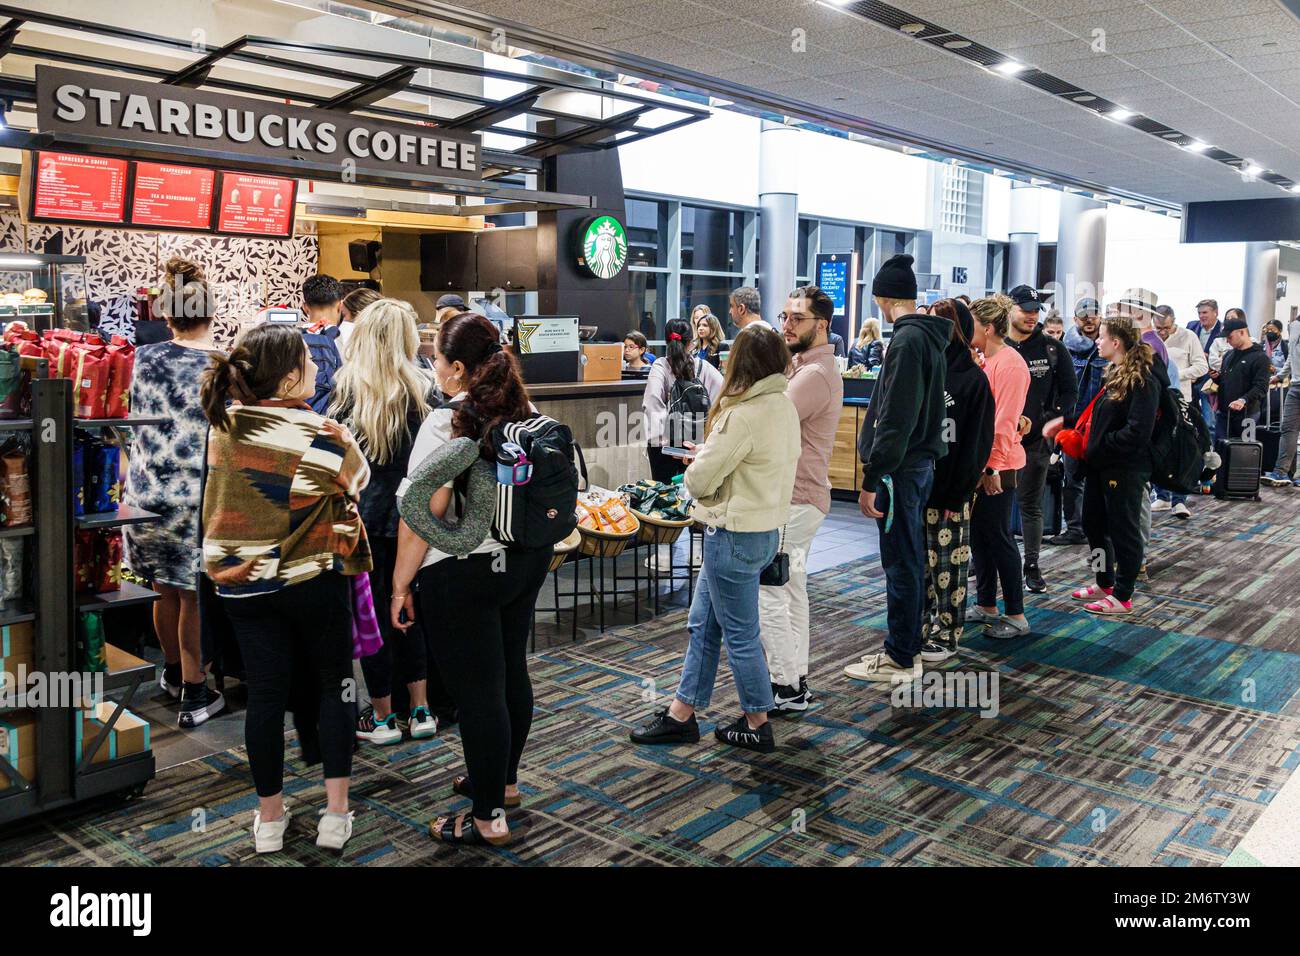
x=298, y=134
x=240, y=134
x=384, y=145
x=68, y=103
x=468, y=156
x=136, y=112
x=264, y=130
x=326, y=140
x=207, y=121
x=105, y=99
x=173, y=117
x=359, y=141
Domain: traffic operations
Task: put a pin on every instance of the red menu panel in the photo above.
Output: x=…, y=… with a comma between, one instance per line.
x=260, y=205
x=79, y=188
x=172, y=197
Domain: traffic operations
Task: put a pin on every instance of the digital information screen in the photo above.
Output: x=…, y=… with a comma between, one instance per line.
x=833, y=279
x=172, y=197
x=256, y=205
x=75, y=188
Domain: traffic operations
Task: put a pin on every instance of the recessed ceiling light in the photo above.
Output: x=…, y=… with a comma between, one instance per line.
x=913, y=28
x=1196, y=146
x=1120, y=115
x=957, y=44
x=1253, y=170
x=1085, y=98
x=1010, y=67
x=1172, y=135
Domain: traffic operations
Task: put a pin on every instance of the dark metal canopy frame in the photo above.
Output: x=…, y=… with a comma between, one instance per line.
x=396, y=75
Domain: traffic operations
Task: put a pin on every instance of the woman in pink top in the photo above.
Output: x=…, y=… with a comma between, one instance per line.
x=994, y=555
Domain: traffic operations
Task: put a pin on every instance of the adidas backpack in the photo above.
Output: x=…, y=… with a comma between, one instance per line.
x=1178, y=445
x=541, y=512
x=688, y=408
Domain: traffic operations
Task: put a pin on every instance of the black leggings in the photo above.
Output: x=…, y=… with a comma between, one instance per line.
x=1112, y=520
x=478, y=613
x=994, y=555
x=297, y=639
x=405, y=650
x=662, y=467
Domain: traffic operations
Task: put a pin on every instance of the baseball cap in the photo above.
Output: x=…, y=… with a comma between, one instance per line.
x=451, y=300
x=1027, y=298
x=1088, y=307
x=1234, y=325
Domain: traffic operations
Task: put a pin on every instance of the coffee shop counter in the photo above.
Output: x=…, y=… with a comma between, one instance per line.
x=607, y=423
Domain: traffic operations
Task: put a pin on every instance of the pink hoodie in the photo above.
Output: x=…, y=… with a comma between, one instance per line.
x=1009, y=379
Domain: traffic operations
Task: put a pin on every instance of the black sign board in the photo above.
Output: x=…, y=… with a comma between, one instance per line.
x=102, y=113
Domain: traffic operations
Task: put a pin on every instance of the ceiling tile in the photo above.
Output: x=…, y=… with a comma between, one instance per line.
x=1196, y=11
x=1275, y=23
x=1122, y=20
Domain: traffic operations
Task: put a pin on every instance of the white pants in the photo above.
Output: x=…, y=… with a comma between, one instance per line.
x=783, y=611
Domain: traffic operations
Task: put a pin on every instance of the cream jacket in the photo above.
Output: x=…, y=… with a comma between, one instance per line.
x=743, y=475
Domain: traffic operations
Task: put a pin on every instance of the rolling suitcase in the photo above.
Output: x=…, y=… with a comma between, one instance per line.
x=1270, y=432
x=1238, y=476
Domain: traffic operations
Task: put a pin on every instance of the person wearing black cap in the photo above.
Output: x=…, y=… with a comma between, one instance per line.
x=1089, y=367
x=1053, y=390
x=901, y=437
x=969, y=401
x=1243, y=380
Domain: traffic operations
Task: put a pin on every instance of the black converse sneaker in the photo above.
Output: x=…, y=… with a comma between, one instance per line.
x=198, y=703
x=664, y=729
x=936, y=651
x=788, y=699
x=740, y=734
x=170, y=680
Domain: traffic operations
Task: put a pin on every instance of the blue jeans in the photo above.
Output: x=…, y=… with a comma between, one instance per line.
x=1208, y=414
x=903, y=556
x=725, y=610
x=1170, y=496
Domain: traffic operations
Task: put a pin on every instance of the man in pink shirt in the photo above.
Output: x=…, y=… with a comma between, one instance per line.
x=817, y=391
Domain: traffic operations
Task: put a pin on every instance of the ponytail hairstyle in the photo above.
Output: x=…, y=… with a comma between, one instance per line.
x=494, y=387
x=679, y=362
x=186, y=299
x=261, y=358
x=993, y=311
x=1127, y=375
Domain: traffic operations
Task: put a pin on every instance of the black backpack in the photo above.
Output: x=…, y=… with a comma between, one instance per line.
x=1178, y=445
x=542, y=512
x=688, y=409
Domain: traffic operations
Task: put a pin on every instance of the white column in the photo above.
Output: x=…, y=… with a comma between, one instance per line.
x=778, y=203
x=1080, y=251
x=1022, y=236
x=1259, y=285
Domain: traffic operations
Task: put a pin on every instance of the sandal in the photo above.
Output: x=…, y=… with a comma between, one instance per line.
x=462, y=786
x=1090, y=592
x=460, y=829
x=1109, y=605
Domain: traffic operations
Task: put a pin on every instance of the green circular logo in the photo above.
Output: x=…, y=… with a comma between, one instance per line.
x=604, y=247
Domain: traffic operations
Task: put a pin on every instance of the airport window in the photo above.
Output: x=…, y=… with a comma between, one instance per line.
x=712, y=239
x=713, y=291
x=648, y=303
x=647, y=232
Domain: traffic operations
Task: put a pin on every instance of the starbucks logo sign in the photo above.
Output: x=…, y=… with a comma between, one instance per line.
x=604, y=247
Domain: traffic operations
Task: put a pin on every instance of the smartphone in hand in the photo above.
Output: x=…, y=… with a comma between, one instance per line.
x=674, y=452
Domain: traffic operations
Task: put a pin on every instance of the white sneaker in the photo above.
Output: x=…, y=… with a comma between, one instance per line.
x=880, y=668
x=1180, y=511
x=269, y=837
x=422, y=723
x=382, y=732
x=334, y=830
x=1160, y=504
x=665, y=556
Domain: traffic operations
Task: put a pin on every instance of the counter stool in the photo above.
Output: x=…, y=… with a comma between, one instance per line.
x=562, y=552
x=660, y=531
x=599, y=546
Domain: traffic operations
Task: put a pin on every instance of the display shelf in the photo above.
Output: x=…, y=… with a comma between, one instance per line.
x=127, y=422
x=111, y=776
x=15, y=424
x=128, y=595
x=124, y=515
x=21, y=531
x=17, y=613
x=124, y=669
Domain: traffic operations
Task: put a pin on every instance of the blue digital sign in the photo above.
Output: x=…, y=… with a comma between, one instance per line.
x=833, y=278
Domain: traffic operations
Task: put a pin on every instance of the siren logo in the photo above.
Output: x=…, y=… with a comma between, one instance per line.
x=604, y=247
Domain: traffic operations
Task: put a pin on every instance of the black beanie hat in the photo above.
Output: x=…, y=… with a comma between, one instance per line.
x=895, y=280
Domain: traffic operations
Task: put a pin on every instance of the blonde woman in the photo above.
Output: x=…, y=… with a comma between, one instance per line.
x=869, y=350
x=383, y=398
x=707, y=344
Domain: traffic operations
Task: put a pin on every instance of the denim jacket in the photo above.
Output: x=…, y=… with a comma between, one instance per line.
x=1089, y=366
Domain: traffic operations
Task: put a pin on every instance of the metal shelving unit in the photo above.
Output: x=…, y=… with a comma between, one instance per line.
x=64, y=775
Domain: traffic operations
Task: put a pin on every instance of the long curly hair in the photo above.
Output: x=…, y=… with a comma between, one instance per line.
x=494, y=390
x=1127, y=375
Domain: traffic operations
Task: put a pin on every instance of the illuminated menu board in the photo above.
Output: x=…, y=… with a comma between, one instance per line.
x=172, y=197
x=256, y=205
x=73, y=188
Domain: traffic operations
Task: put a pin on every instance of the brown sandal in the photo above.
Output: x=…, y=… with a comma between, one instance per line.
x=460, y=829
x=462, y=786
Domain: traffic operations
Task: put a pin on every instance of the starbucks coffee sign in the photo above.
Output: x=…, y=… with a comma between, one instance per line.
x=603, y=250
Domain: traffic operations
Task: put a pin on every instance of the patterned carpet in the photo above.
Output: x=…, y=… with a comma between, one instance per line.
x=1152, y=741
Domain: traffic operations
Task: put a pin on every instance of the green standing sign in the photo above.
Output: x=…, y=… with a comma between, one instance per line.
x=604, y=247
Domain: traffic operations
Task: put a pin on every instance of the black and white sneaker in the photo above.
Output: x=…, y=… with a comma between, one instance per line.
x=198, y=703
x=936, y=652
x=664, y=729
x=805, y=689
x=170, y=680
x=788, y=699
x=1034, y=579
x=740, y=734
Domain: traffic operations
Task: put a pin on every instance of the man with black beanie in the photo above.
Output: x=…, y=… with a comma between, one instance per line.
x=1053, y=389
x=901, y=437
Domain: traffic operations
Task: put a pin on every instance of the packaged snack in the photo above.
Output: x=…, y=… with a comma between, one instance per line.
x=11, y=375
x=11, y=571
x=603, y=511
x=79, y=476
x=108, y=560
x=89, y=370
x=15, y=487
x=102, y=490
x=83, y=561
x=121, y=363
x=90, y=638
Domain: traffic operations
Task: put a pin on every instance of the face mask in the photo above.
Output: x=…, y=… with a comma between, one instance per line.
x=1273, y=336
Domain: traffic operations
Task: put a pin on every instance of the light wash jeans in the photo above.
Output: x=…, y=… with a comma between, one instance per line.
x=725, y=610
x=783, y=611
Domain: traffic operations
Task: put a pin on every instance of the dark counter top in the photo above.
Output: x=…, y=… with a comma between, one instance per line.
x=571, y=390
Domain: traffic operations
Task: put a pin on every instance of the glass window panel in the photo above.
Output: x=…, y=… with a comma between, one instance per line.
x=648, y=306
x=836, y=239
x=647, y=232
x=713, y=291
x=712, y=239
